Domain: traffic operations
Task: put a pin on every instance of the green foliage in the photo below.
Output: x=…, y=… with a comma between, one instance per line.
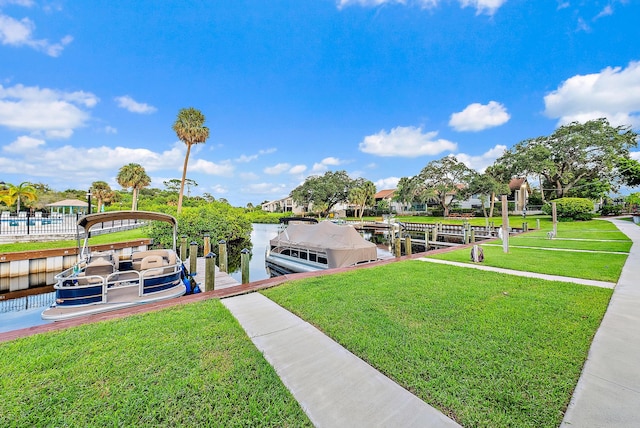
x=259, y=216
x=219, y=220
x=629, y=170
x=22, y=193
x=362, y=195
x=571, y=209
x=578, y=152
x=133, y=176
x=322, y=193
x=611, y=209
x=190, y=129
x=445, y=180
x=634, y=201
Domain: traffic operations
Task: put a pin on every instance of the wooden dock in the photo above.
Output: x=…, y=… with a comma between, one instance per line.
x=223, y=279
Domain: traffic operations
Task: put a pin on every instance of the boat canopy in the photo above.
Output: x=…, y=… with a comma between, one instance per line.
x=342, y=243
x=89, y=220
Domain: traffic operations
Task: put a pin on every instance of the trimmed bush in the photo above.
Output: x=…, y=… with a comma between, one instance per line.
x=611, y=210
x=569, y=209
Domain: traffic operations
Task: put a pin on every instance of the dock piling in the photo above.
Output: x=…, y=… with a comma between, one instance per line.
x=210, y=272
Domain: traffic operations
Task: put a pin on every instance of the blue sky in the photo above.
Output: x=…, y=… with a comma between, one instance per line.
x=293, y=88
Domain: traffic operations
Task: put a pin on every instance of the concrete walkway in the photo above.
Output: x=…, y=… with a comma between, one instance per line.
x=608, y=392
x=334, y=387
x=591, y=282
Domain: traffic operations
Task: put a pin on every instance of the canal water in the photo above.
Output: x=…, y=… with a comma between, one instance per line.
x=260, y=237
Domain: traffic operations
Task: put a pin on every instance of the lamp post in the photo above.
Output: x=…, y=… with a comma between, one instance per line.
x=89, y=201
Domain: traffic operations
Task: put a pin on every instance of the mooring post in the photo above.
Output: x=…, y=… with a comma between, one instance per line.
x=398, y=247
x=183, y=248
x=435, y=233
x=193, y=257
x=222, y=250
x=426, y=240
x=554, y=217
x=505, y=224
x=407, y=245
x=210, y=272
x=207, y=244
x=473, y=236
x=525, y=226
x=245, y=255
x=537, y=223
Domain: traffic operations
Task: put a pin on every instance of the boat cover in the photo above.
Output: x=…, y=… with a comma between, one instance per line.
x=342, y=243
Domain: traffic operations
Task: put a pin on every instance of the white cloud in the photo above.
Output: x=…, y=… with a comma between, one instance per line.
x=24, y=145
x=110, y=130
x=406, y=141
x=482, y=6
x=613, y=93
x=266, y=189
x=277, y=169
x=481, y=162
x=217, y=189
x=128, y=103
x=386, y=183
x=476, y=117
x=324, y=164
x=635, y=155
x=18, y=33
x=298, y=169
x=249, y=176
x=607, y=11
x=248, y=158
x=56, y=113
x=224, y=168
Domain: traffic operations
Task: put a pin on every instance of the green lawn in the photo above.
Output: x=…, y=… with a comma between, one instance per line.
x=188, y=366
x=596, y=266
x=488, y=350
x=107, y=238
x=527, y=240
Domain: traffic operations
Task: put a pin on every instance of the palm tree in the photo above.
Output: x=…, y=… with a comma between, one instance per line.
x=135, y=177
x=102, y=192
x=12, y=194
x=190, y=129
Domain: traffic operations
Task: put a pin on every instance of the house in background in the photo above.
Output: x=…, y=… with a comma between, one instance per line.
x=520, y=192
x=387, y=195
x=283, y=205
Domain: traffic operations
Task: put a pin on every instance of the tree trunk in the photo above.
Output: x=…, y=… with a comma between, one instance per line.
x=492, y=203
x=184, y=176
x=134, y=203
x=544, y=201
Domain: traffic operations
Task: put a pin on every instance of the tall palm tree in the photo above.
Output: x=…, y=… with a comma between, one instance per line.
x=102, y=192
x=190, y=129
x=14, y=194
x=135, y=177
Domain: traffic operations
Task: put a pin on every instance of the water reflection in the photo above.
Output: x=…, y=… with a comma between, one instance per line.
x=260, y=237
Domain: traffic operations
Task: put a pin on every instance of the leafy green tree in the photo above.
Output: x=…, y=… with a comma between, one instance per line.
x=323, y=192
x=173, y=185
x=362, y=195
x=446, y=180
x=629, y=170
x=487, y=186
x=190, y=129
x=102, y=192
x=135, y=177
x=12, y=194
x=578, y=151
